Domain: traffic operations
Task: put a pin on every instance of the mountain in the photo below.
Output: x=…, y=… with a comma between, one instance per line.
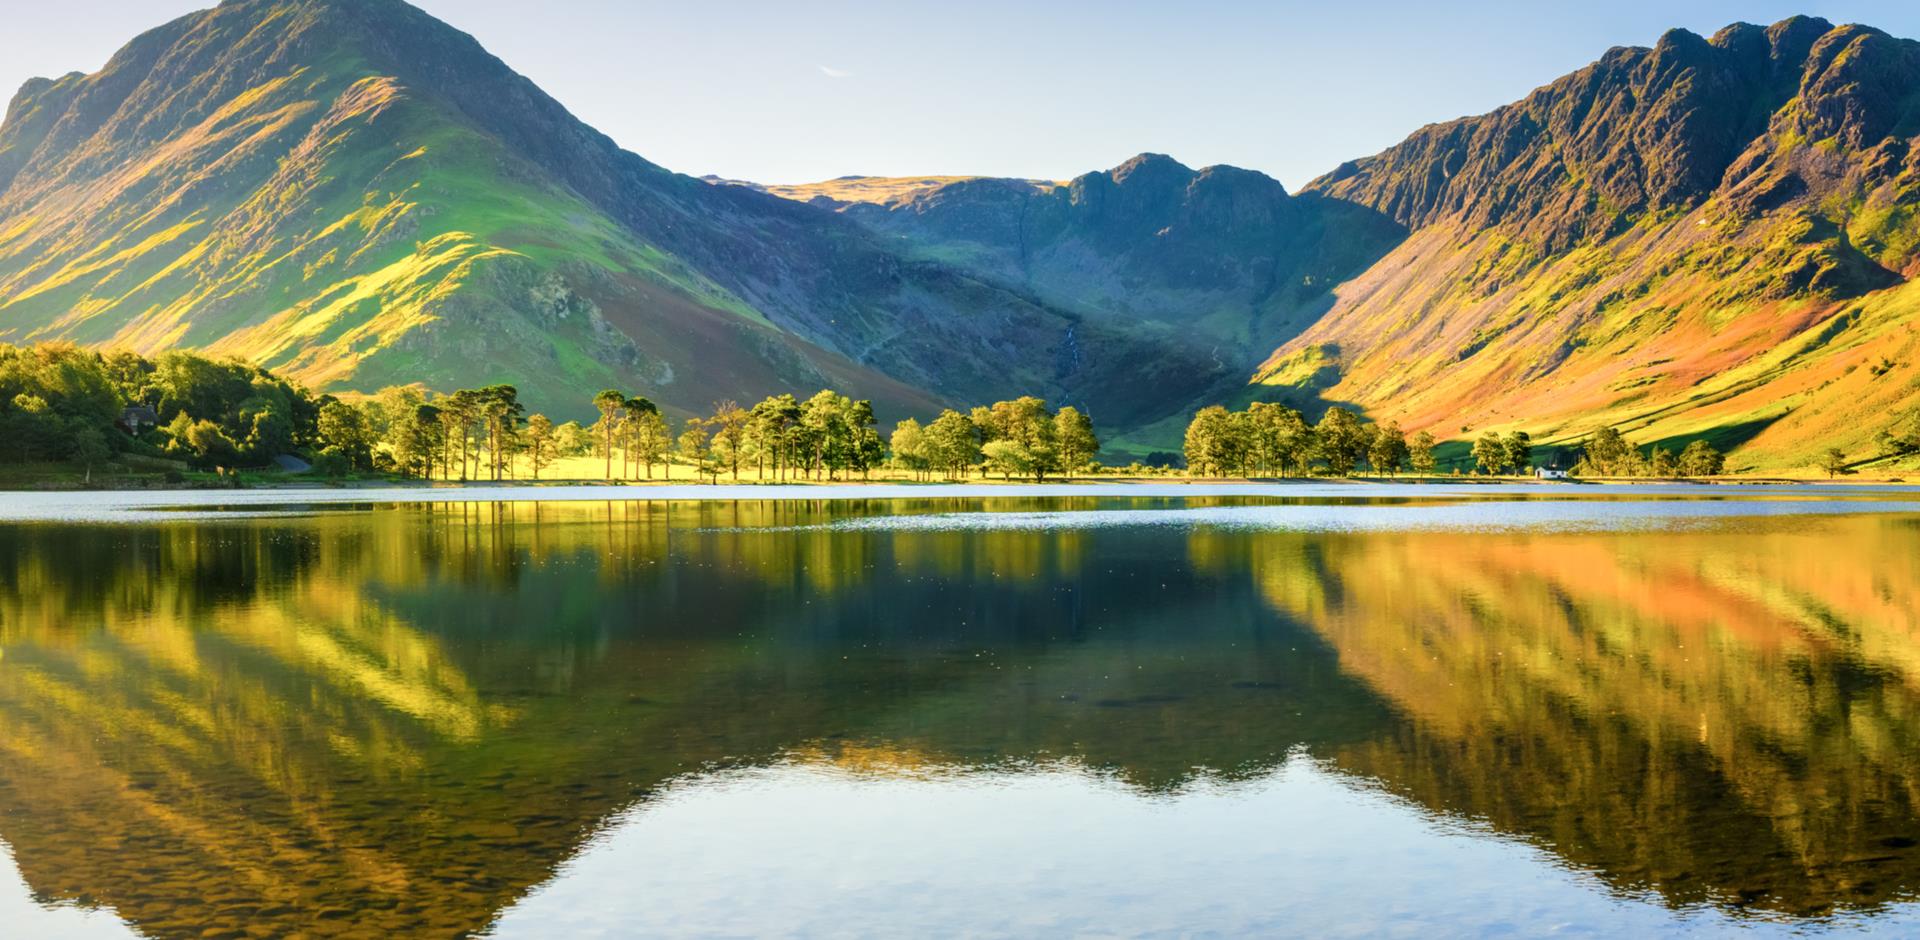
x=359, y=195
x=1712, y=237
x=1221, y=262
x=1706, y=238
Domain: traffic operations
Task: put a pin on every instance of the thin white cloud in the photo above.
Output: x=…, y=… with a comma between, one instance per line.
x=831, y=72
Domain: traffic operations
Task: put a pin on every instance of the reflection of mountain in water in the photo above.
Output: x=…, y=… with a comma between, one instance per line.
x=1725, y=717
x=412, y=716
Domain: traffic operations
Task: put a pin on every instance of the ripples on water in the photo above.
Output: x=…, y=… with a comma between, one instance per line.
x=1435, y=711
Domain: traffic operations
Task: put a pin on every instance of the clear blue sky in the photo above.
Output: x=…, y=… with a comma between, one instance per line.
x=798, y=91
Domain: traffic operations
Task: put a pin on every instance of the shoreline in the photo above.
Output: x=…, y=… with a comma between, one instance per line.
x=177, y=504
x=320, y=485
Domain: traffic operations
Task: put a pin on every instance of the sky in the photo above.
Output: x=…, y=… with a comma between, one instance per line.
x=798, y=91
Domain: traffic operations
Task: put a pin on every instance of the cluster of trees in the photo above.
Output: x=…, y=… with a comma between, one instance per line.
x=1017, y=438
x=828, y=435
x=1271, y=438
x=1275, y=439
x=62, y=403
x=482, y=434
x=1494, y=454
x=468, y=434
x=1609, y=454
x=59, y=402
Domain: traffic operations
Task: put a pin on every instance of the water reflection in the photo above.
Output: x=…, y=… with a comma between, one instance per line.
x=407, y=720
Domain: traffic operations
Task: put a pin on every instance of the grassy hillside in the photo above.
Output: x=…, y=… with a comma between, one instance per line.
x=358, y=195
x=1710, y=238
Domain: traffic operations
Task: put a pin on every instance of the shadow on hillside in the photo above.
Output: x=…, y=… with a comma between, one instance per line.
x=1724, y=438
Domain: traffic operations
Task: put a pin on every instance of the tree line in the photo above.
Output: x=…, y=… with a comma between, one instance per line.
x=59, y=402
x=1607, y=453
x=1017, y=438
x=483, y=433
x=1269, y=438
x=1273, y=439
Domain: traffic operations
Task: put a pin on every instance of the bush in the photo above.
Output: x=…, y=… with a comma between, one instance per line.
x=332, y=463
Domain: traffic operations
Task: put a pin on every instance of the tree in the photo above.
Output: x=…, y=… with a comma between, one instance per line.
x=1025, y=421
x=825, y=439
x=772, y=433
x=452, y=427
x=131, y=375
x=413, y=439
x=652, y=440
x=611, y=403
x=1420, y=453
x=343, y=430
x=909, y=445
x=571, y=440
x=1609, y=454
x=460, y=412
x=1073, y=435
x=1700, y=459
x=32, y=426
x=694, y=450
x=1491, y=453
x=1276, y=437
x=1343, y=442
x=88, y=447
x=1299, y=442
x=729, y=423
x=538, y=442
x=1519, y=446
x=865, y=449
x=1662, y=464
x=498, y=409
x=1213, y=445
x=640, y=417
x=951, y=444
x=1389, y=450
x=1835, y=463
x=1009, y=458
x=210, y=446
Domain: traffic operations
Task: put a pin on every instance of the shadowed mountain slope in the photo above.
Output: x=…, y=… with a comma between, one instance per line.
x=1220, y=261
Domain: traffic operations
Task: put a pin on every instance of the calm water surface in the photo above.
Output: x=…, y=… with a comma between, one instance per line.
x=1426, y=712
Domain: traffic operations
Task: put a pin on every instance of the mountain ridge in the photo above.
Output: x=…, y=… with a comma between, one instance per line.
x=331, y=134
x=1609, y=250
x=1219, y=259
x=1706, y=237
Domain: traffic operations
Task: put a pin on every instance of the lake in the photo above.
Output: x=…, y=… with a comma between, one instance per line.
x=1288, y=710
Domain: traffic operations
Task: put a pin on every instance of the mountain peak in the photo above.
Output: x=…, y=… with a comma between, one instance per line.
x=357, y=194
x=1799, y=25
x=1679, y=39
x=1155, y=164
x=1641, y=130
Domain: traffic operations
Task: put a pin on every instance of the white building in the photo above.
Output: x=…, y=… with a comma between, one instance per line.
x=1550, y=473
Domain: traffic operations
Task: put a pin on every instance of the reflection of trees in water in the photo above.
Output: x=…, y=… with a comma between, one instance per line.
x=413, y=715
x=416, y=713
x=1726, y=716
